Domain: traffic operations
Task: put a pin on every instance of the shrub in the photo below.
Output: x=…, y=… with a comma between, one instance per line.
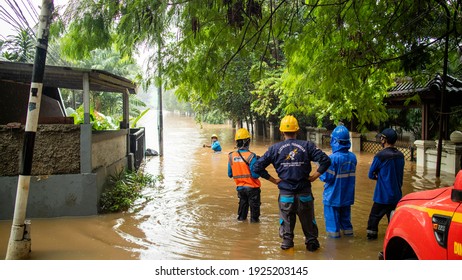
x=97, y=119
x=123, y=189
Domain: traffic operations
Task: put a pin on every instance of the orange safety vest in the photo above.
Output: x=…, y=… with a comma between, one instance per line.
x=241, y=170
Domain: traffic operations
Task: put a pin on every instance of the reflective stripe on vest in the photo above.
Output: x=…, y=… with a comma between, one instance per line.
x=241, y=171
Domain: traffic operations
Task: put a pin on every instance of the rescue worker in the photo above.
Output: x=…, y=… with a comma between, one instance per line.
x=339, y=187
x=247, y=183
x=215, y=145
x=292, y=160
x=387, y=168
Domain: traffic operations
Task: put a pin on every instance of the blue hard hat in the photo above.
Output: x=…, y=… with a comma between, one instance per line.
x=341, y=133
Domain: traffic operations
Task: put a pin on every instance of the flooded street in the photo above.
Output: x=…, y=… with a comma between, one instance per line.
x=192, y=211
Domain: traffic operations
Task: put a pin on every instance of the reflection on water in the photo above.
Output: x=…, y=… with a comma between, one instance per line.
x=192, y=213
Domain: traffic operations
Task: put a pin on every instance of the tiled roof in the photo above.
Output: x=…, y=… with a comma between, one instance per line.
x=408, y=88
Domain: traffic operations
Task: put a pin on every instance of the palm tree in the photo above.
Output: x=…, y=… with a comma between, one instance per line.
x=111, y=61
x=19, y=47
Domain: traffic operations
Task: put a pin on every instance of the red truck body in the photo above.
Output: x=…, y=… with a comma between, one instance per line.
x=427, y=225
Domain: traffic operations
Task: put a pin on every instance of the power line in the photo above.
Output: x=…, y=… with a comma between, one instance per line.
x=16, y=18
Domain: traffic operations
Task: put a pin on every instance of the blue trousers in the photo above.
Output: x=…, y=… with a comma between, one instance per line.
x=337, y=219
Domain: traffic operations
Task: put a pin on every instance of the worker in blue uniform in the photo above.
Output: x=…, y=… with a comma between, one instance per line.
x=388, y=169
x=215, y=144
x=339, y=187
x=292, y=160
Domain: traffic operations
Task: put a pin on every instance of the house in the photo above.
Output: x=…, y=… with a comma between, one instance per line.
x=71, y=163
x=427, y=96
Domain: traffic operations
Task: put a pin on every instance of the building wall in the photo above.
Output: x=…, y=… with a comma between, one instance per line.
x=15, y=97
x=451, y=155
x=52, y=196
x=57, y=186
x=56, y=149
x=108, y=147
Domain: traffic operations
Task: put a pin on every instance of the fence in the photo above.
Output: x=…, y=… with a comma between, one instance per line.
x=408, y=149
x=137, y=145
x=325, y=140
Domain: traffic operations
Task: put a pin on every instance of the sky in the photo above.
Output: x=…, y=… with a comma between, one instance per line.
x=6, y=29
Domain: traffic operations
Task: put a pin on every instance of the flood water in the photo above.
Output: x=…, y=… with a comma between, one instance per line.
x=192, y=211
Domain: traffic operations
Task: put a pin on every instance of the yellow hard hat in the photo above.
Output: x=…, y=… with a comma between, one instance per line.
x=289, y=124
x=214, y=136
x=241, y=134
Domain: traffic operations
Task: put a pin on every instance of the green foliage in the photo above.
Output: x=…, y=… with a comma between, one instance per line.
x=212, y=117
x=111, y=60
x=171, y=103
x=409, y=119
x=234, y=97
x=98, y=24
x=84, y=35
x=123, y=189
x=455, y=118
x=134, y=121
x=269, y=94
x=107, y=103
x=19, y=47
x=97, y=120
x=333, y=59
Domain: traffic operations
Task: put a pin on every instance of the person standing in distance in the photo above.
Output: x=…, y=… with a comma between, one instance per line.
x=215, y=145
x=247, y=183
x=339, y=187
x=292, y=160
x=388, y=169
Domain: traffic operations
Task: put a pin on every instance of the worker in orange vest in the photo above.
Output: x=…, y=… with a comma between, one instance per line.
x=247, y=182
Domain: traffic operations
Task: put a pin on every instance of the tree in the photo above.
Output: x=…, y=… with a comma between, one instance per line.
x=113, y=62
x=19, y=47
x=235, y=97
x=350, y=52
x=339, y=56
x=269, y=98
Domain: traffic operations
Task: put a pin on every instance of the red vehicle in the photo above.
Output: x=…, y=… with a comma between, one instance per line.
x=427, y=225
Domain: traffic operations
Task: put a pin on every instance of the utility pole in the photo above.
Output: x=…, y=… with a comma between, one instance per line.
x=19, y=245
x=160, y=121
x=442, y=129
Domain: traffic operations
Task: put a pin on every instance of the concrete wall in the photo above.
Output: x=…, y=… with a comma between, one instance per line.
x=52, y=196
x=108, y=147
x=59, y=195
x=49, y=157
x=451, y=155
x=57, y=151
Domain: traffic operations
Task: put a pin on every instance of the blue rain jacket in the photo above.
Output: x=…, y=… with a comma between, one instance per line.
x=339, y=179
x=388, y=169
x=216, y=146
x=292, y=160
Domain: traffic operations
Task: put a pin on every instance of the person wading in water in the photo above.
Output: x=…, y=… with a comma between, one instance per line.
x=292, y=160
x=247, y=183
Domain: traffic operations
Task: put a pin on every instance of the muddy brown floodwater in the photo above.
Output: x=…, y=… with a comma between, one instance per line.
x=191, y=213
